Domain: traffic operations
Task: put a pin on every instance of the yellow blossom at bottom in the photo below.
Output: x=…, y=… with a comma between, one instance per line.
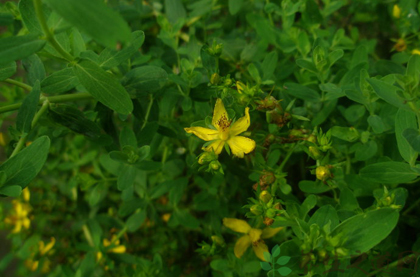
x=415, y=52
x=19, y=216
x=117, y=248
x=252, y=237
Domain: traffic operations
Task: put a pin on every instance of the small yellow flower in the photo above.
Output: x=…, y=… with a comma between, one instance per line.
x=225, y=132
x=166, y=217
x=396, y=11
x=31, y=264
x=415, y=52
x=117, y=248
x=19, y=217
x=44, y=249
x=252, y=237
x=322, y=173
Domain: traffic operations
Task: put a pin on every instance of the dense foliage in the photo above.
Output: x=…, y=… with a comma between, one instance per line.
x=210, y=138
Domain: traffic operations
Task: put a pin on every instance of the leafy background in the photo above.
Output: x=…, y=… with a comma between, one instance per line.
x=95, y=96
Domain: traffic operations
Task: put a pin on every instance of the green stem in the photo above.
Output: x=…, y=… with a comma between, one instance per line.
x=411, y=207
x=289, y=153
x=48, y=34
x=119, y=235
x=51, y=99
x=19, y=84
x=393, y=264
x=149, y=108
x=22, y=139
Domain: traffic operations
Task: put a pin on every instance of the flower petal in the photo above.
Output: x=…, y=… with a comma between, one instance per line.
x=255, y=234
x=220, y=117
x=241, y=145
x=241, y=125
x=270, y=232
x=217, y=146
x=237, y=225
x=259, y=248
x=241, y=246
x=203, y=133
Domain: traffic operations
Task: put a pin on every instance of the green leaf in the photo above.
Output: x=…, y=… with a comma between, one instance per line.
x=19, y=47
x=23, y=167
x=103, y=86
x=388, y=173
x=347, y=200
x=265, y=266
x=362, y=232
x=34, y=68
x=302, y=92
x=413, y=69
x=388, y=93
x=267, y=256
x=7, y=70
x=177, y=191
x=174, y=10
x=75, y=120
x=94, y=18
x=127, y=137
x=275, y=251
x=235, y=6
x=345, y=133
x=413, y=138
x=376, y=123
x=313, y=187
x=11, y=191
x=269, y=65
x=126, y=177
x=28, y=109
x=59, y=81
x=186, y=219
x=29, y=18
x=147, y=78
x=324, y=215
x=220, y=265
x=283, y=260
x=110, y=58
x=135, y=221
x=405, y=120
x=366, y=151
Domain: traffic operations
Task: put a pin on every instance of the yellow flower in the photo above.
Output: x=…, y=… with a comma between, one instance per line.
x=252, y=237
x=415, y=52
x=26, y=194
x=31, y=264
x=225, y=132
x=44, y=249
x=396, y=11
x=116, y=248
x=19, y=217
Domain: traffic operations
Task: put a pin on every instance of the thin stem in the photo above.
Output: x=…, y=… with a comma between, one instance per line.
x=149, y=108
x=48, y=34
x=411, y=207
x=22, y=139
x=51, y=99
x=393, y=264
x=88, y=236
x=289, y=153
x=120, y=234
x=19, y=84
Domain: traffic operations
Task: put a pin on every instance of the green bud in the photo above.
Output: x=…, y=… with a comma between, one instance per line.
x=228, y=82
x=256, y=209
x=265, y=196
x=215, y=165
x=311, y=138
x=271, y=213
x=218, y=240
x=315, y=152
x=206, y=157
x=364, y=137
x=215, y=79
x=323, y=173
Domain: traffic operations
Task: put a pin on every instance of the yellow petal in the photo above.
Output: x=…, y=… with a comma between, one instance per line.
x=241, y=145
x=241, y=125
x=18, y=227
x=203, y=133
x=26, y=223
x=255, y=234
x=26, y=194
x=217, y=146
x=106, y=242
x=270, y=232
x=119, y=249
x=220, y=117
x=259, y=248
x=241, y=246
x=43, y=250
x=237, y=225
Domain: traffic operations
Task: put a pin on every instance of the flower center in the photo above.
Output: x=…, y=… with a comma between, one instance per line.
x=224, y=125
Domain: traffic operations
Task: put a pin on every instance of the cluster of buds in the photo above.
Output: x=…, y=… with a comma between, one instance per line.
x=273, y=111
x=210, y=162
x=206, y=249
x=385, y=198
x=319, y=144
x=266, y=206
x=215, y=49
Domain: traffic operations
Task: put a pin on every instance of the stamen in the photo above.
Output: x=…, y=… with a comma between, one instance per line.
x=223, y=122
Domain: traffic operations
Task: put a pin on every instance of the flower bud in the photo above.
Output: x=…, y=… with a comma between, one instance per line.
x=322, y=173
x=206, y=157
x=240, y=87
x=218, y=240
x=396, y=11
x=268, y=178
x=228, y=82
x=268, y=221
x=311, y=138
x=256, y=209
x=265, y=196
x=215, y=79
x=271, y=213
x=215, y=165
x=315, y=152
